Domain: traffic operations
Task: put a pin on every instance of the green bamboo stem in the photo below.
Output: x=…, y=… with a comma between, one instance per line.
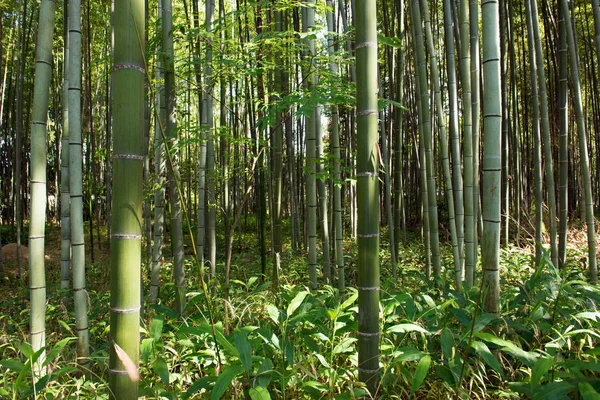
x=545, y=125
x=535, y=127
x=368, y=194
x=159, y=168
x=583, y=147
x=128, y=159
x=492, y=165
x=65, y=196
x=76, y=182
x=37, y=275
x=426, y=138
x=171, y=115
x=467, y=126
x=433, y=65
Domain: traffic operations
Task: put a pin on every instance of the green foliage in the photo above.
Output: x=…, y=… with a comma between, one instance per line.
x=299, y=344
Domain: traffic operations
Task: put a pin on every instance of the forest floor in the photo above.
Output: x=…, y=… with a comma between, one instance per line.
x=435, y=341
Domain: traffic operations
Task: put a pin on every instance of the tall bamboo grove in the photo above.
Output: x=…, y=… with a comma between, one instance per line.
x=128, y=157
x=37, y=276
x=368, y=194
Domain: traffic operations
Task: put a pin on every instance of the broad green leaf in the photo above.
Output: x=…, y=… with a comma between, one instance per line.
x=224, y=380
x=446, y=374
x=204, y=329
x=296, y=302
x=485, y=353
x=259, y=393
x=264, y=373
x=588, y=392
x=581, y=365
x=244, y=348
x=160, y=367
x=594, y=316
x=405, y=328
x=322, y=360
x=39, y=385
x=156, y=328
x=408, y=354
x=345, y=346
x=554, y=391
x=509, y=347
x=146, y=348
x=349, y=301
x=27, y=350
x=273, y=313
x=428, y=300
x=202, y=383
x=56, y=349
x=14, y=365
x=447, y=343
x=482, y=321
x=420, y=373
x=289, y=352
x=578, y=331
x=541, y=366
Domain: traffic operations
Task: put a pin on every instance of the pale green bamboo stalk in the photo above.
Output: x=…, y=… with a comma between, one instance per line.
x=475, y=113
x=171, y=133
x=277, y=163
x=368, y=194
x=65, y=195
x=399, y=204
x=457, y=186
x=159, y=168
x=583, y=147
x=387, y=196
x=311, y=153
x=424, y=123
x=323, y=198
x=37, y=184
x=535, y=128
x=467, y=125
x=431, y=186
x=128, y=159
x=76, y=182
x=563, y=115
x=545, y=124
x=206, y=126
x=492, y=164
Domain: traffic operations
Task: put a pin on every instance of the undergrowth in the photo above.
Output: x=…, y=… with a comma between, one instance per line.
x=436, y=342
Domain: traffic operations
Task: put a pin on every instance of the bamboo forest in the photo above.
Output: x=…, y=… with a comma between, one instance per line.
x=299, y=199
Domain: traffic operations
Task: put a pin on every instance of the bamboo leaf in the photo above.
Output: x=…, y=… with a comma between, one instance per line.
x=273, y=313
x=56, y=349
x=244, y=348
x=588, y=392
x=420, y=373
x=482, y=321
x=156, y=328
x=541, y=366
x=160, y=367
x=447, y=343
x=485, y=353
x=296, y=302
x=225, y=379
x=259, y=393
x=405, y=328
x=14, y=365
x=345, y=346
x=554, y=391
x=509, y=347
